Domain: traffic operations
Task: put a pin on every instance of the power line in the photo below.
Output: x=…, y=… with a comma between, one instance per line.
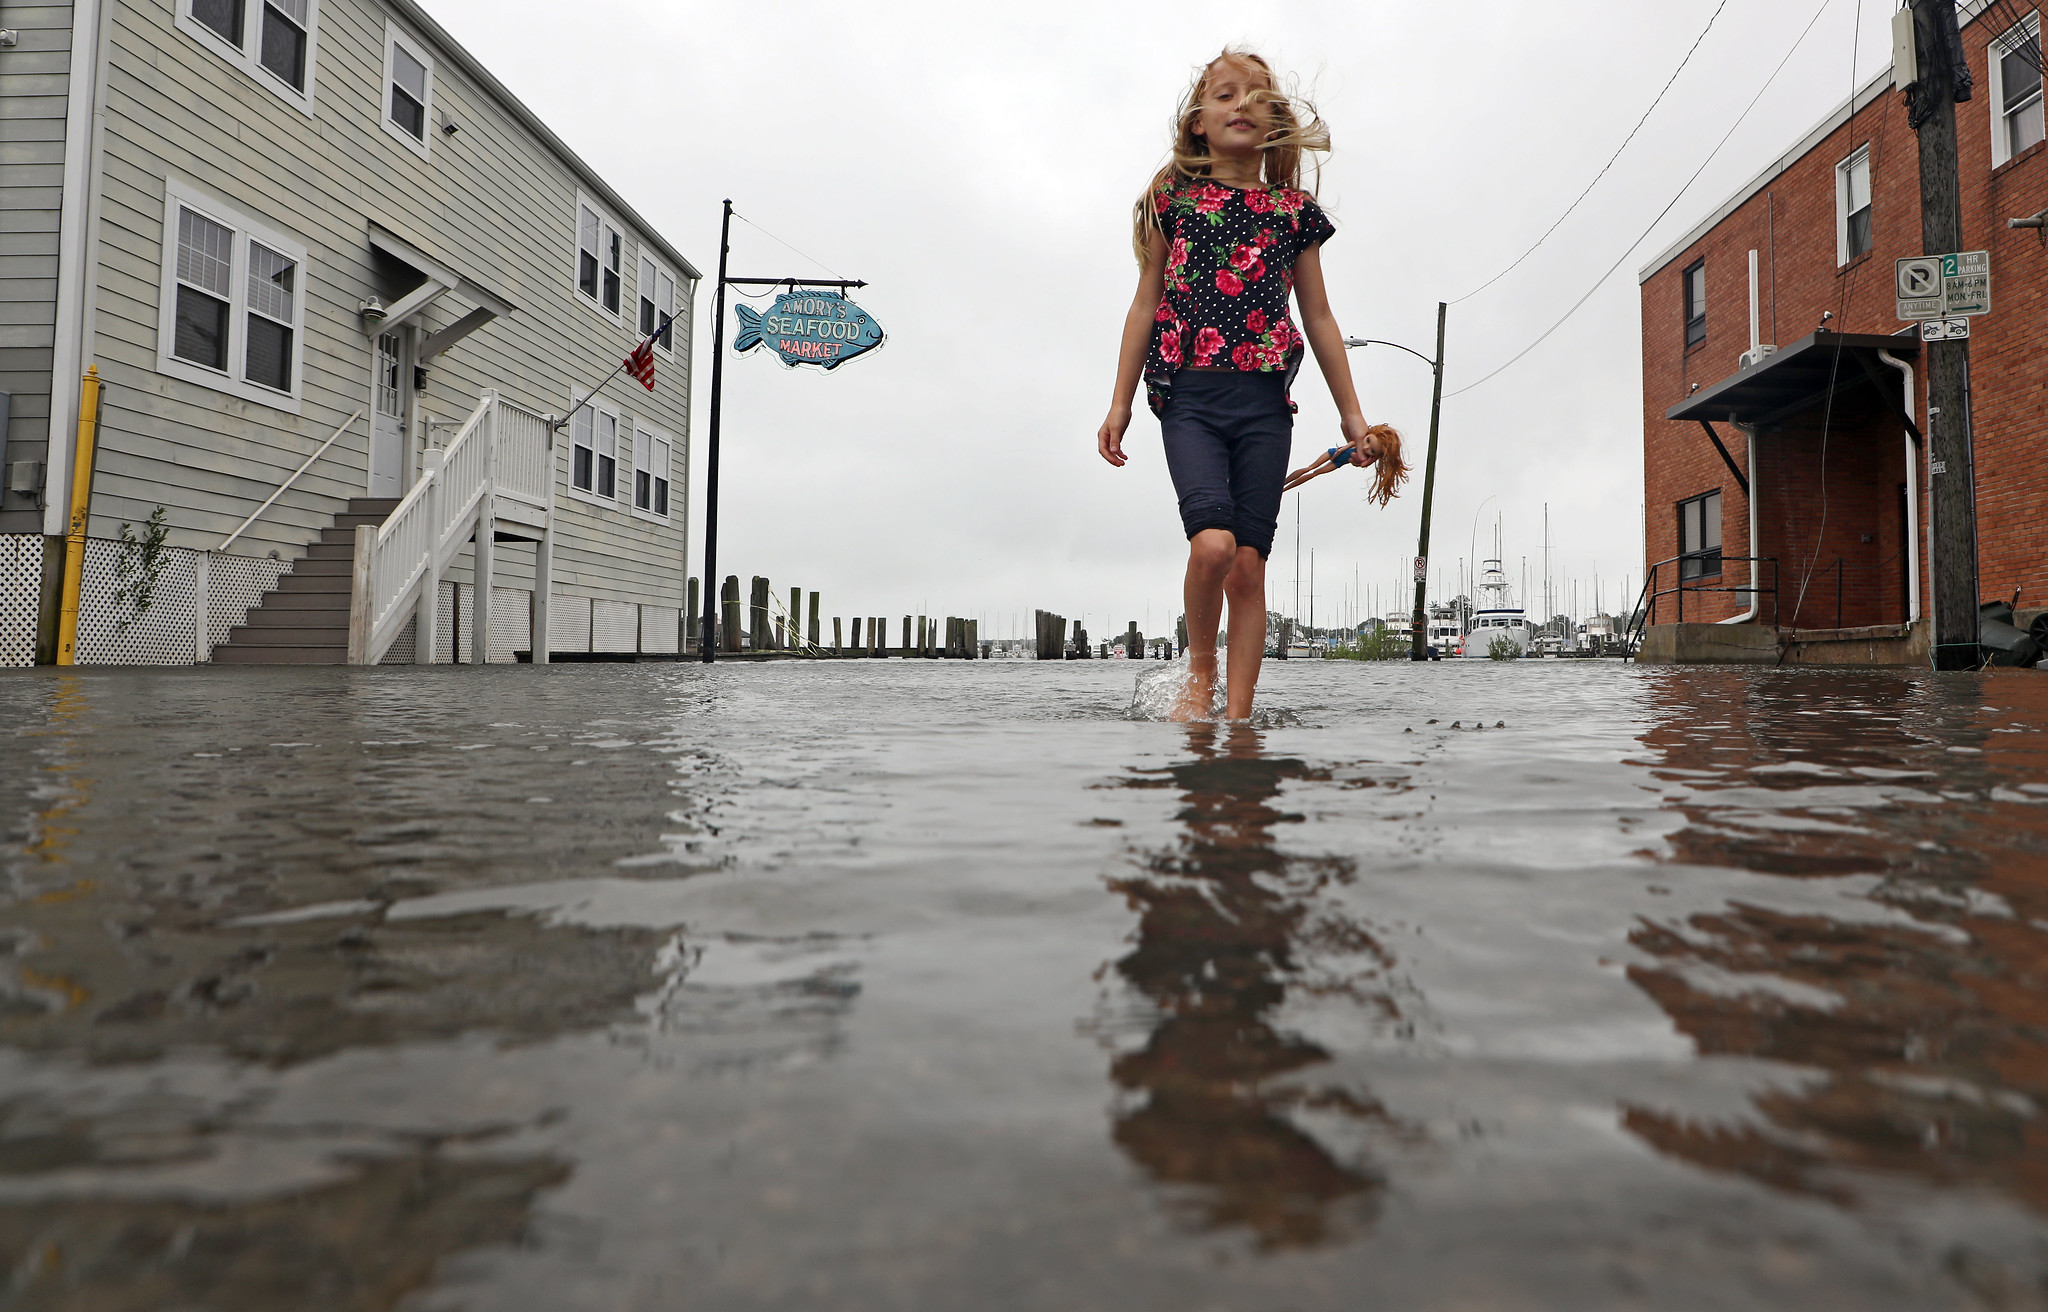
x=772, y=237
x=1576, y=305
x=1610, y=160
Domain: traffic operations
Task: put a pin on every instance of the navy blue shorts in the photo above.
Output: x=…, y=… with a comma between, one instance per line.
x=1227, y=437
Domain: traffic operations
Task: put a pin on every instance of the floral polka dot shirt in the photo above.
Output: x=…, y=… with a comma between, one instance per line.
x=1229, y=270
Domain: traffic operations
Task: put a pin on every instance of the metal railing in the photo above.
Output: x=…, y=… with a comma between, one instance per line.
x=1647, y=600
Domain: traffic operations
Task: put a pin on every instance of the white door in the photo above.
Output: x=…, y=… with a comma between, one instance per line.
x=387, y=418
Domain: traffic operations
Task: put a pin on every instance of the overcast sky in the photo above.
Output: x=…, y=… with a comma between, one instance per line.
x=976, y=165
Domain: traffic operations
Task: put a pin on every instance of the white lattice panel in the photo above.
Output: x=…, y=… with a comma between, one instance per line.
x=21, y=596
x=568, y=623
x=614, y=626
x=511, y=622
x=234, y=585
x=112, y=632
x=444, y=625
x=401, y=652
x=660, y=628
x=465, y=623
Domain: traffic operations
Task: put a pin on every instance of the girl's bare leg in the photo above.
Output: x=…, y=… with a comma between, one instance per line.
x=1245, y=585
x=1211, y=553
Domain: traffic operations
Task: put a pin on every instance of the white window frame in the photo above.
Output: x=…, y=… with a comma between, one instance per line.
x=645, y=436
x=394, y=37
x=605, y=224
x=249, y=57
x=2001, y=45
x=675, y=306
x=179, y=195
x=1860, y=155
x=610, y=410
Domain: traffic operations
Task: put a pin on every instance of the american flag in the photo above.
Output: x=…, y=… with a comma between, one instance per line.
x=640, y=364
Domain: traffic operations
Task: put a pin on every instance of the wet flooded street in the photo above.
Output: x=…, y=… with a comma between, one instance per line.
x=892, y=985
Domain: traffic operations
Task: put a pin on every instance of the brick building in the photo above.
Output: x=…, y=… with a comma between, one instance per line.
x=1836, y=497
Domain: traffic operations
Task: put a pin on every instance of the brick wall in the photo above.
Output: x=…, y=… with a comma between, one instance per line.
x=1790, y=222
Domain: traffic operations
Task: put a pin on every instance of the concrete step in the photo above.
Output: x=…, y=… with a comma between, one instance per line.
x=306, y=569
x=230, y=655
x=306, y=585
x=305, y=602
x=255, y=635
x=325, y=618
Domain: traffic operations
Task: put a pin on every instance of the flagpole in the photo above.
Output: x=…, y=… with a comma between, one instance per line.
x=707, y=631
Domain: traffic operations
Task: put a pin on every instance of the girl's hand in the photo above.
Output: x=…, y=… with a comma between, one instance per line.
x=1109, y=439
x=1358, y=433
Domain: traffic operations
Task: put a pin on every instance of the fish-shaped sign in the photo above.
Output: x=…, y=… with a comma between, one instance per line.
x=821, y=328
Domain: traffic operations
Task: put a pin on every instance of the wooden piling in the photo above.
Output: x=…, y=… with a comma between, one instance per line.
x=814, y=619
x=757, y=614
x=1134, y=648
x=796, y=618
x=836, y=648
x=729, y=617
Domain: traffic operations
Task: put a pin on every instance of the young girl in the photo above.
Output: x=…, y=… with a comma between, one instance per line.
x=1223, y=234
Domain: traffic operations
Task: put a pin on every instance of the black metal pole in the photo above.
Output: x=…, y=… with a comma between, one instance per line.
x=707, y=632
x=1419, y=622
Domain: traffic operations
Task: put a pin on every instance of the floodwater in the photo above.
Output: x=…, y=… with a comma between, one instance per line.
x=951, y=986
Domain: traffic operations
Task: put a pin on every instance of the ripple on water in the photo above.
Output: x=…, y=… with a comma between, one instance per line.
x=1519, y=984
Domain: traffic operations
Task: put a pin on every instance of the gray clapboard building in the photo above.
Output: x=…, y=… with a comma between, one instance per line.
x=342, y=291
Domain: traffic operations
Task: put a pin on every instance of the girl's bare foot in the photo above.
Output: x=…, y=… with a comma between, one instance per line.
x=1198, y=695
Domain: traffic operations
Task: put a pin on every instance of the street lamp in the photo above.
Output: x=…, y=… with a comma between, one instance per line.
x=1419, y=622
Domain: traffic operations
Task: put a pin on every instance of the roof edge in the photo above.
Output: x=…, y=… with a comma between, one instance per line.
x=1968, y=12
x=1820, y=132
x=483, y=77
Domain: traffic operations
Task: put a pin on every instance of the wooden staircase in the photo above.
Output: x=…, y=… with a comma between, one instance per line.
x=304, y=620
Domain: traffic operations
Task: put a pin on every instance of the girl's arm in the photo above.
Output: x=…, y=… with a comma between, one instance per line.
x=1319, y=325
x=1130, y=356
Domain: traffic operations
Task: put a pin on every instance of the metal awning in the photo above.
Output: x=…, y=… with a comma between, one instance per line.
x=1796, y=378
x=440, y=278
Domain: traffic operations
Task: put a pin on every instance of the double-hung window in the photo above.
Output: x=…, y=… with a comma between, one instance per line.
x=657, y=303
x=594, y=452
x=408, y=89
x=2016, y=121
x=1699, y=536
x=233, y=303
x=653, y=461
x=598, y=251
x=270, y=40
x=1696, y=303
x=1852, y=206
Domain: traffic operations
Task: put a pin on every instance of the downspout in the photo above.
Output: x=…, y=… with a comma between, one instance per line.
x=74, y=225
x=1912, y=492
x=1749, y=464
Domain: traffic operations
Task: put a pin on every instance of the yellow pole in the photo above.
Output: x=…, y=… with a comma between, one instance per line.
x=81, y=498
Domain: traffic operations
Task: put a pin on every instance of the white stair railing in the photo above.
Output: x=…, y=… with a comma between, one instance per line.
x=398, y=564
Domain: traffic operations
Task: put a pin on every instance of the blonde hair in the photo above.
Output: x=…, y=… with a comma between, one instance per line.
x=1389, y=471
x=1296, y=130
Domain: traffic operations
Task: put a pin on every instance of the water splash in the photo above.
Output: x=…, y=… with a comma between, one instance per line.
x=1163, y=684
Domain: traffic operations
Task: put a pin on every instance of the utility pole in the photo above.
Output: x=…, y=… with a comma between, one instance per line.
x=1419, y=638
x=1943, y=79
x=707, y=629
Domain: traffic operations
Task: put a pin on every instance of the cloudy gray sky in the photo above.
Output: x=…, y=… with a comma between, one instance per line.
x=976, y=164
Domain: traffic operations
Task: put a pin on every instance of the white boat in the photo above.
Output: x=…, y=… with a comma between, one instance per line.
x=1496, y=620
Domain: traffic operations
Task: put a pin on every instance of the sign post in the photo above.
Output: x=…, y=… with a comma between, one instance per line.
x=827, y=340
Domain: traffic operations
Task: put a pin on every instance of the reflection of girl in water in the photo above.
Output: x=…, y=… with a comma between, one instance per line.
x=1223, y=926
x=1225, y=235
